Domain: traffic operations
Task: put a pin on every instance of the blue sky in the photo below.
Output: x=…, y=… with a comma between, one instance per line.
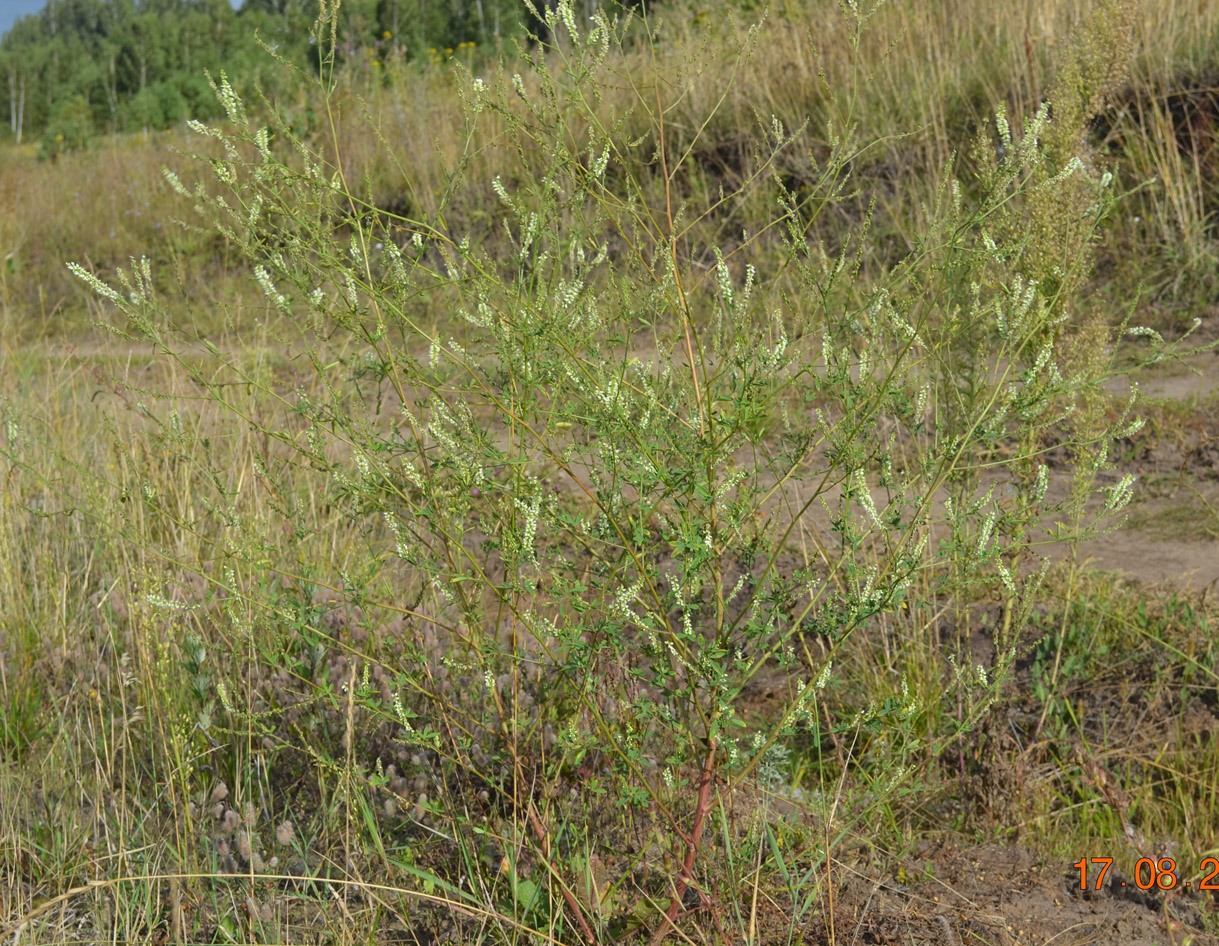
x=11, y=9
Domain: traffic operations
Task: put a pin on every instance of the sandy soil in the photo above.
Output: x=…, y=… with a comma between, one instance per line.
x=1004, y=896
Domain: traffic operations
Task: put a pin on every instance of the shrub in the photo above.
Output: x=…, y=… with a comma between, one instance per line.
x=603, y=477
x=69, y=128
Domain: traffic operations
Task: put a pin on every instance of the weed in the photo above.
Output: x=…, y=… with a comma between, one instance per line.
x=589, y=472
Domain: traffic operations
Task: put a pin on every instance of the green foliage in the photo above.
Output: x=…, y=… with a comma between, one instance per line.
x=136, y=64
x=69, y=128
x=22, y=714
x=157, y=106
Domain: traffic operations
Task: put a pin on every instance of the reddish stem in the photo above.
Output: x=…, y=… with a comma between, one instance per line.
x=692, y=845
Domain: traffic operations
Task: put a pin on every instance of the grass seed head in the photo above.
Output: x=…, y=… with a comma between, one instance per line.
x=285, y=833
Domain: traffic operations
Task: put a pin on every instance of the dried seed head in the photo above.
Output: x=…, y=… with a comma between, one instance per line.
x=220, y=792
x=249, y=814
x=243, y=846
x=284, y=833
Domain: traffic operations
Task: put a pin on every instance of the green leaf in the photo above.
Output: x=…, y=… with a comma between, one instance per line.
x=525, y=892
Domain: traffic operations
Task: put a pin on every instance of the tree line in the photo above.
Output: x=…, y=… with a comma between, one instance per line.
x=82, y=66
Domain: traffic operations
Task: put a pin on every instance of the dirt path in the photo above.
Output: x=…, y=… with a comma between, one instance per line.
x=1005, y=896
x=1172, y=534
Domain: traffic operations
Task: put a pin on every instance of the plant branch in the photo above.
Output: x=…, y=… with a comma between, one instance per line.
x=692, y=844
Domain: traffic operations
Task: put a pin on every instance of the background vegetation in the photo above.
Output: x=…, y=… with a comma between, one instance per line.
x=81, y=67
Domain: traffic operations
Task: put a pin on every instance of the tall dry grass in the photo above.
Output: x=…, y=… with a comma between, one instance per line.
x=936, y=72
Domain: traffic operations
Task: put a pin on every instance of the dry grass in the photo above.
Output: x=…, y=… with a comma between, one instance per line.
x=936, y=72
